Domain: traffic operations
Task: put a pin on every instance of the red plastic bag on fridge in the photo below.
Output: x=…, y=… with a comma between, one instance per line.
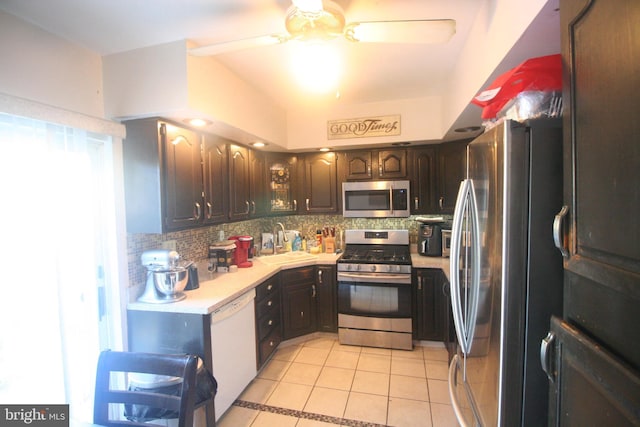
x=536, y=74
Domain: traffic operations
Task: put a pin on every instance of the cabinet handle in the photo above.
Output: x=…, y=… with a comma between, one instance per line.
x=441, y=202
x=369, y=169
x=313, y=291
x=320, y=277
x=307, y=203
x=253, y=207
x=302, y=314
x=270, y=322
x=269, y=303
x=271, y=343
x=558, y=234
x=197, y=210
x=209, y=210
x=295, y=204
x=545, y=351
x=380, y=170
x=269, y=286
x=246, y=202
x=415, y=203
x=419, y=283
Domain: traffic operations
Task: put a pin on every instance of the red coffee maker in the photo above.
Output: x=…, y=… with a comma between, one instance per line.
x=244, y=245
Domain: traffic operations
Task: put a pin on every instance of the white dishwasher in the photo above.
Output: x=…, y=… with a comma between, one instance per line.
x=233, y=349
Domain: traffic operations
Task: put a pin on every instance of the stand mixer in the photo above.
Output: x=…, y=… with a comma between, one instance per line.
x=165, y=279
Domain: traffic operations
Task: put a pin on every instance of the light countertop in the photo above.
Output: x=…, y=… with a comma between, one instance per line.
x=218, y=289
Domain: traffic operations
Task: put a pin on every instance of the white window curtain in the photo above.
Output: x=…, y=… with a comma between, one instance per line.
x=56, y=297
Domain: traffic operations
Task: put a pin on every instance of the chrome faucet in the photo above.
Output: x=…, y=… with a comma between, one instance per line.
x=276, y=243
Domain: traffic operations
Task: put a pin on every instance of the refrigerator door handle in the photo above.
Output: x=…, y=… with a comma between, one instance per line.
x=465, y=325
x=453, y=373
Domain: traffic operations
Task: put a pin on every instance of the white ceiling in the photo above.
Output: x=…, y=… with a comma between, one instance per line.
x=373, y=72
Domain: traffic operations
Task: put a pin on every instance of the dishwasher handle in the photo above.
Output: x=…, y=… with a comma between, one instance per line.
x=233, y=307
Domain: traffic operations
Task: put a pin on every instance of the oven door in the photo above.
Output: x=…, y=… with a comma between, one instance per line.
x=374, y=295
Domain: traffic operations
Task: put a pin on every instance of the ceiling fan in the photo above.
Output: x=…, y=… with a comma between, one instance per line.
x=312, y=20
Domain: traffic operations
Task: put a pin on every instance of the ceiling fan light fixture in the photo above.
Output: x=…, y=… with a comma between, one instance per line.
x=407, y=31
x=316, y=67
x=324, y=24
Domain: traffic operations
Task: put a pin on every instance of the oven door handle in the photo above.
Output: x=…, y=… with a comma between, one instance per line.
x=376, y=278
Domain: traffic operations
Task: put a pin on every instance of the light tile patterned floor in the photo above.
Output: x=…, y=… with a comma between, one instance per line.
x=321, y=383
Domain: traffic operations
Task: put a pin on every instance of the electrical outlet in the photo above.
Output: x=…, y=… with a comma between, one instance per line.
x=169, y=245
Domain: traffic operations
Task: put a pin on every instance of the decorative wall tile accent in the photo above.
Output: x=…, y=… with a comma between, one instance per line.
x=194, y=244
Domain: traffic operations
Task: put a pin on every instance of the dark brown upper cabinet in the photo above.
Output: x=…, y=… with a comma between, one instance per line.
x=282, y=191
x=374, y=164
x=216, y=176
x=163, y=176
x=320, y=188
x=239, y=197
x=451, y=171
x=423, y=180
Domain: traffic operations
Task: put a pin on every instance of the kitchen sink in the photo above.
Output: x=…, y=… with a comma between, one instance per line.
x=287, y=258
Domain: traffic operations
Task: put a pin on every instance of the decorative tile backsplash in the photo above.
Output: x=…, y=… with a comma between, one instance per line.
x=194, y=244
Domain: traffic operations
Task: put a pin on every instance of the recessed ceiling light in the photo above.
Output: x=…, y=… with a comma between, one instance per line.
x=198, y=122
x=259, y=144
x=324, y=149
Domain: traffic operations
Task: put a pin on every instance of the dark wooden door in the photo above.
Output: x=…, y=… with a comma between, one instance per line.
x=239, y=199
x=326, y=295
x=320, y=188
x=602, y=171
x=423, y=181
x=282, y=178
x=601, y=54
x=182, y=177
x=430, y=302
x=451, y=171
x=216, y=179
x=392, y=164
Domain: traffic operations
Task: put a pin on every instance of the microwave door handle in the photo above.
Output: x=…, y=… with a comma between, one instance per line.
x=391, y=198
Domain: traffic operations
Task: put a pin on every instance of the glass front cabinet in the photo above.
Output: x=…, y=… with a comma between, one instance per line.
x=282, y=169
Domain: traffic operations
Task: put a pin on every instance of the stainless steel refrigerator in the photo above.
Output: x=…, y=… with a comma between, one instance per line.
x=506, y=275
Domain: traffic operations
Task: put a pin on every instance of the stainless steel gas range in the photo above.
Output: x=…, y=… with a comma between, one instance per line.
x=374, y=289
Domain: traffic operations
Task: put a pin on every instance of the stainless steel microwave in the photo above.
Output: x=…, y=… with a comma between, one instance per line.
x=376, y=199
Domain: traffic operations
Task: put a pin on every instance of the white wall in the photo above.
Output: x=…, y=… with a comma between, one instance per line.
x=41, y=67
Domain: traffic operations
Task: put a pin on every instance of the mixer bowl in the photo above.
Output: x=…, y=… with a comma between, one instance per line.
x=171, y=282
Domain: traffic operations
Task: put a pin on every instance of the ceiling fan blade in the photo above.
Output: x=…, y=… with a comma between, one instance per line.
x=426, y=31
x=235, y=45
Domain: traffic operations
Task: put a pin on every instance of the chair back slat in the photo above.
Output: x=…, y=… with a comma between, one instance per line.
x=182, y=366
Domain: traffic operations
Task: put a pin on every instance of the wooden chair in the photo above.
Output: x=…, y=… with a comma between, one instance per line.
x=108, y=394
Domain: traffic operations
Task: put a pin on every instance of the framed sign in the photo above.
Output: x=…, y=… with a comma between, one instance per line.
x=364, y=127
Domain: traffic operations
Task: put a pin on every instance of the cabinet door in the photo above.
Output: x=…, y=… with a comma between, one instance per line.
x=182, y=176
x=282, y=172
x=257, y=183
x=589, y=386
x=423, y=183
x=320, y=184
x=216, y=187
x=392, y=164
x=429, y=305
x=240, y=205
x=358, y=165
x=451, y=171
x=298, y=302
x=602, y=178
x=327, y=298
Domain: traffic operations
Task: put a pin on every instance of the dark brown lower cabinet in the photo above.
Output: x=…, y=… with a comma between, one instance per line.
x=298, y=302
x=268, y=315
x=327, y=303
x=589, y=385
x=429, y=313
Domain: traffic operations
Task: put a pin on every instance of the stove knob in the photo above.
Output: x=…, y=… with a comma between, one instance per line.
x=372, y=268
x=390, y=268
x=358, y=267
